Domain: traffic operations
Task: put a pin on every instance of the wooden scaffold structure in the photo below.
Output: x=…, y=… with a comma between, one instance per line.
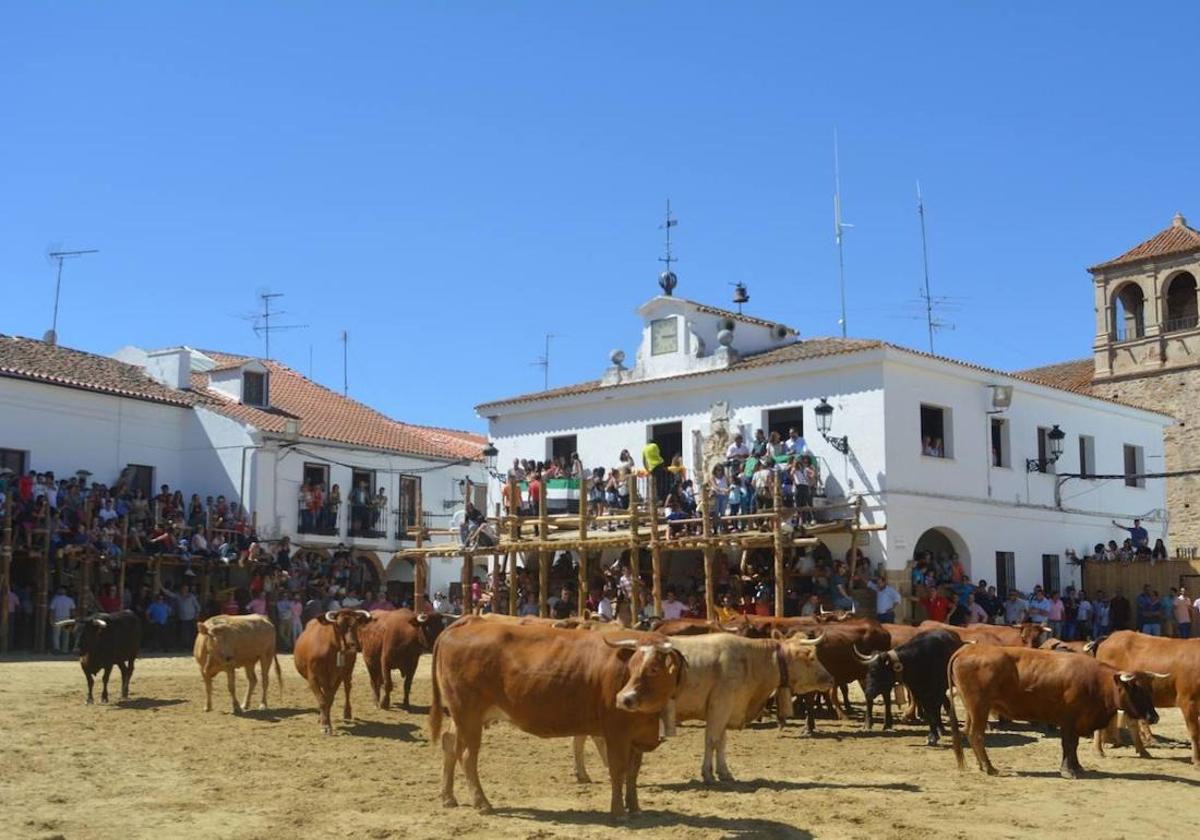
x=640, y=528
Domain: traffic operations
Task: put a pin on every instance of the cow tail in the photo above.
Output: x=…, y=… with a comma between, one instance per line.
x=435, y=707
x=278, y=675
x=955, y=734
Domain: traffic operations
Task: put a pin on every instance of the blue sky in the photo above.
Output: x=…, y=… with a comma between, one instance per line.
x=449, y=181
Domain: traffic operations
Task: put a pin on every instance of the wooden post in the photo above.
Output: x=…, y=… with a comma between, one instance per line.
x=777, y=528
x=467, y=565
x=655, y=550
x=6, y=549
x=710, y=585
x=635, y=596
x=81, y=584
x=512, y=582
x=205, y=581
x=125, y=559
x=42, y=610
x=854, y=540
x=544, y=557
x=581, y=595
x=420, y=582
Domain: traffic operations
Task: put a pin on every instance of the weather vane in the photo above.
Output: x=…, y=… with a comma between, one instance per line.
x=667, y=280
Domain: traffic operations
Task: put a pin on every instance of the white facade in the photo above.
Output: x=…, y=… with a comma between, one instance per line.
x=877, y=391
x=198, y=449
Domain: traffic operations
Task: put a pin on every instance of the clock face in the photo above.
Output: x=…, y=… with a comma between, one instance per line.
x=664, y=336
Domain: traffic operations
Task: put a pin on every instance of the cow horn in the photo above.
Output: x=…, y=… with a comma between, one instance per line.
x=1157, y=675
x=821, y=607
x=100, y=622
x=365, y=614
x=862, y=657
x=331, y=616
x=621, y=643
x=66, y=622
x=422, y=618
x=853, y=607
x=1126, y=677
x=664, y=647
x=561, y=624
x=815, y=641
x=970, y=641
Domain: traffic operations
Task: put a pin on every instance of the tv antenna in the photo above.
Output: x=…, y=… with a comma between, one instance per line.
x=839, y=227
x=345, y=367
x=931, y=303
x=263, y=325
x=667, y=280
x=544, y=362
x=61, y=256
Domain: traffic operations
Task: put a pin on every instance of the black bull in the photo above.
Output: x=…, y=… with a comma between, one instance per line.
x=918, y=664
x=105, y=640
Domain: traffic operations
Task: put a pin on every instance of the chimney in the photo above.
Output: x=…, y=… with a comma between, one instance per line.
x=171, y=367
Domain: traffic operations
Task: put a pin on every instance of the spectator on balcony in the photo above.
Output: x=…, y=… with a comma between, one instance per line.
x=333, y=504
x=795, y=443
x=627, y=462
x=758, y=448
x=316, y=505
x=360, y=506
x=1137, y=533
x=517, y=472
x=196, y=517
x=305, y=499
x=776, y=448
x=107, y=514
x=1159, y=553
x=736, y=454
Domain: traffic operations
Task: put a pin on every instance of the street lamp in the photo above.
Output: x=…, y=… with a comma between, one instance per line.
x=490, y=452
x=1055, y=436
x=824, y=412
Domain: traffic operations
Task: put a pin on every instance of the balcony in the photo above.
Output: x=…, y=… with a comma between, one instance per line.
x=1180, y=324
x=322, y=521
x=368, y=522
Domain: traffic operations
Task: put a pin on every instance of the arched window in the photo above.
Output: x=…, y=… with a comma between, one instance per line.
x=1181, y=303
x=1128, y=313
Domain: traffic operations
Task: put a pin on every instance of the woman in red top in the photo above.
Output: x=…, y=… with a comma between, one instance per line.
x=109, y=601
x=937, y=606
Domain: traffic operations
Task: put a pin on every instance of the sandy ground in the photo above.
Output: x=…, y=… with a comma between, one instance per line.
x=158, y=766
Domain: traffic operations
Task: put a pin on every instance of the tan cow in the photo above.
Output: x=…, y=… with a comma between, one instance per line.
x=228, y=642
x=325, y=654
x=727, y=682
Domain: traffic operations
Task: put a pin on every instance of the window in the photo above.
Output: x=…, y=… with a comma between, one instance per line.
x=1087, y=454
x=664, y=336
x=1181, y=303
x=316, y=514
x=1134, y=466
x=562, y=448
x=936, y=432
x=254, y=388
x=783, y=420
x=1128, y=313
x=1005, y=572
x=1050, y=579
x=410, y=493
x=13, y=459
x=1043, y=449
x=1000, y=449
x=365, y=516
x=141, y=477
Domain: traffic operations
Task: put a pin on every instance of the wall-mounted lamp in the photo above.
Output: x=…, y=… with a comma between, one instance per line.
x=1055, y=436
x=824, y=412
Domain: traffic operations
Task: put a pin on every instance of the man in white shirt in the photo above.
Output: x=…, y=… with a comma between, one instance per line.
x=886, y=599
x=737, y=453
x=440, y=603
x=795, y=443
x=62, y=606
x=672, y=607
x=606, y=608
x=351, y=601
x=107, y=514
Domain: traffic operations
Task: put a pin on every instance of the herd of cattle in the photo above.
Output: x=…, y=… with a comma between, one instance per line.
x=626, y=688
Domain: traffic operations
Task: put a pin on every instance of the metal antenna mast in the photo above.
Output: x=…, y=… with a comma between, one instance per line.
x=265, y=327
x=60, y=256
x=544, y=362
x=925, y=259
x=345, y=366
x=838, y=227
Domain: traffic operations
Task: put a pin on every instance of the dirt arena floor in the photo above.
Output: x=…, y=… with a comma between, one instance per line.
x=158, y=767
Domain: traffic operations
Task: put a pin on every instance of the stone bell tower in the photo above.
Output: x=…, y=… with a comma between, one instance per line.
x=1147, y=351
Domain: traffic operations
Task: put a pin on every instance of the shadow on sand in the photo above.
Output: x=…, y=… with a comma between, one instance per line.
x=147, y=703
x=752, y=785
x=394, y=730
x=724, y=827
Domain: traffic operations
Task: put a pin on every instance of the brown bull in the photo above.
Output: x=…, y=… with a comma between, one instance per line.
x=1028, y=635
x=228, y=642
x=550, y=683
x=1075, y=693
x=395, y=640
x=699, y=626
x=837, y=654
x=324, y=655
x=1175, y=661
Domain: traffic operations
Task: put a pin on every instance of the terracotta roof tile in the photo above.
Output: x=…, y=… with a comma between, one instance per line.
x=37, y=361
x=1073, y=376
x=1177, y=239
x=737, y=316
x=327, y=415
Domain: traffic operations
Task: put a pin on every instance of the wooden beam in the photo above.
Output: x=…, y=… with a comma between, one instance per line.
x=777, y=531
x=635, y=561
x=544, y=583
x=655, y=549
x=467, y=563
x=420, y=583
x=512, y=583
x=6, y=550
x=42, y=609
x=710, y=585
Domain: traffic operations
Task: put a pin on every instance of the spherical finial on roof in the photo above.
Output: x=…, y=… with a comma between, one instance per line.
x=1179, y=221
x=617, y=357
x=725, y=337
x=668, y=281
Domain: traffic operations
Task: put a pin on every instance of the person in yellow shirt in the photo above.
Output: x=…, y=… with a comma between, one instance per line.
x=725, y=610
x=652, y=461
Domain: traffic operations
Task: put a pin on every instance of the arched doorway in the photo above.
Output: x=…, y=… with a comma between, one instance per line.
x=942, y=542
x=1181, y=303
x=1128, y=308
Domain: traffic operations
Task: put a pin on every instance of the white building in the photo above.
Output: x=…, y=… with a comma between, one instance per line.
x=700, y=370
x=249, y=429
